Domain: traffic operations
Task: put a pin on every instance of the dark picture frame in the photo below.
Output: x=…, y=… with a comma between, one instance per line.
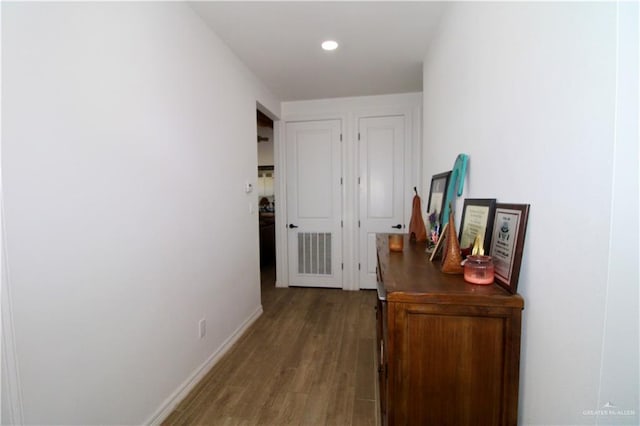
x=507, y=243
x=477, y=219
x=438, y=193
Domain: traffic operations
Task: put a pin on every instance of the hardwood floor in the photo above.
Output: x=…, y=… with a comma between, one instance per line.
x=308, y=360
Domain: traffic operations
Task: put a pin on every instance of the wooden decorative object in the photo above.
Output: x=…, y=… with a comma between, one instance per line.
x=417, y=230
x=452, y=255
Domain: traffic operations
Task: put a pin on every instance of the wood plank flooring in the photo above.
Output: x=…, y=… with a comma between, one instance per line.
x=308, y=360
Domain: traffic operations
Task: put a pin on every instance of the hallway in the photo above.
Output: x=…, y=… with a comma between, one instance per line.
x=309, y=359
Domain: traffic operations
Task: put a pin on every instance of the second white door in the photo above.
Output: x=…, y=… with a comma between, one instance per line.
x=381, y=176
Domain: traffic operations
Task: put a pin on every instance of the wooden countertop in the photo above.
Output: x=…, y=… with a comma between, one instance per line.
x=410, y=277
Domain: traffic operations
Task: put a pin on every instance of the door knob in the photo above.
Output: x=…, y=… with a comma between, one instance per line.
x=398, y=226
x=291, y=226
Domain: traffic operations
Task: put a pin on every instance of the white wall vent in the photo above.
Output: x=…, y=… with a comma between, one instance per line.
x=314, y=253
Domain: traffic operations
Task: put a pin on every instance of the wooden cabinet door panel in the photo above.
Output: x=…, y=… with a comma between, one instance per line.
x=454, y=366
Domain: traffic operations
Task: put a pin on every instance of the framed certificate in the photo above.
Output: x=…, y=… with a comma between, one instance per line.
x=507, y=243
x=477, y=219
x=437, y=193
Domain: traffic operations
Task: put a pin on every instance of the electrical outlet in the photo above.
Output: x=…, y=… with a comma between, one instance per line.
x=202, y=328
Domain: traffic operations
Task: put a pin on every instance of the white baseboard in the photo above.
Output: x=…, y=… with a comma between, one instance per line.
x=183, y=390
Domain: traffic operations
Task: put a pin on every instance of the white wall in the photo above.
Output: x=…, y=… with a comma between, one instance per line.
x=528, y=90
x=620, y=358
x=128, y=134
x=348, y=110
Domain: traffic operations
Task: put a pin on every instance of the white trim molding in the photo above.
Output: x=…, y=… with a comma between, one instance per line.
x=280, y=192
x=349, y=111
x=187, y=386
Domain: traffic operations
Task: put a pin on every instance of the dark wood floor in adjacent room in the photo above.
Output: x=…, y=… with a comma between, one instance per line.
x=308, y=360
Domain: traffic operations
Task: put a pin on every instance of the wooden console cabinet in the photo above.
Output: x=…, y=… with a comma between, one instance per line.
x=448, y=351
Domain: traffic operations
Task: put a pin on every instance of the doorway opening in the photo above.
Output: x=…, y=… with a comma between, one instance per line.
x=266, y=201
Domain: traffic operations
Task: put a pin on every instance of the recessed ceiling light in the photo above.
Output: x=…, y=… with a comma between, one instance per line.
x=329, y=45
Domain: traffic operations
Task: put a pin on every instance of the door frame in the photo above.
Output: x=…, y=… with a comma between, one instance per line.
x=280, y=190
x=358, y=200
x=412, y=164
x=349, y=117
x=310, y=224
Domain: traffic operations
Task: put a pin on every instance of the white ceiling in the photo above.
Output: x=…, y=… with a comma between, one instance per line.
x=382, y=44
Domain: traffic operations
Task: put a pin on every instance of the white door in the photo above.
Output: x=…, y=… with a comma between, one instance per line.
x=314, y=208
x=381, y=168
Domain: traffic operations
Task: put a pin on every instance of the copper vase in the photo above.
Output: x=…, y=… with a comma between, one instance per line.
x=452, y=256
